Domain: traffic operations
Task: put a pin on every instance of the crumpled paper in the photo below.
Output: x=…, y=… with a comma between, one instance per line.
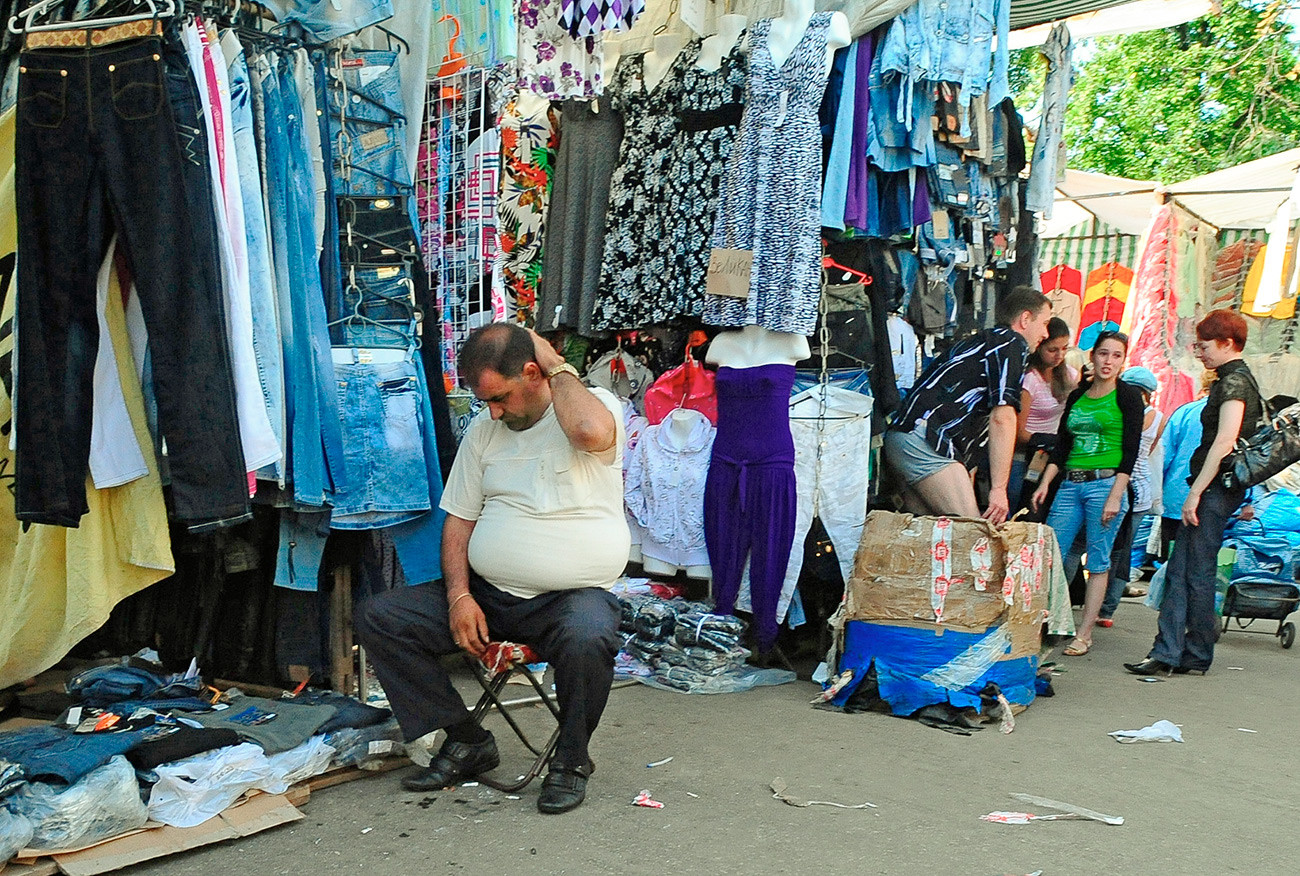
x=643, y=799
x=1160, y=731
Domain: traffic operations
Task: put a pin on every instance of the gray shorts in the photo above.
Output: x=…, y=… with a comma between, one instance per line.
x=912, y=456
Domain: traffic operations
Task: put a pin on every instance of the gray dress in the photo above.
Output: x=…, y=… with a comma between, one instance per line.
x=575, y=223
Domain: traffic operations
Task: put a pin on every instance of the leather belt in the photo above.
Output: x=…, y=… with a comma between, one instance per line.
x=1083, y=475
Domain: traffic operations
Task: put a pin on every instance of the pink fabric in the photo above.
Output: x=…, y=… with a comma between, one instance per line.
x=214, y=96
x=1154, y=308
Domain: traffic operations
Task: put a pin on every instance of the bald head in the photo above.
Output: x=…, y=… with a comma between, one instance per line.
x=500, y=347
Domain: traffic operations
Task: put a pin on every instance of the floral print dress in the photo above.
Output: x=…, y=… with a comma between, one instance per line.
x=552, y=63
x=529, y=137
x=635, y=262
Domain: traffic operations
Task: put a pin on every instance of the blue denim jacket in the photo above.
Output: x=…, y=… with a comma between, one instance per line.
x=951, y=41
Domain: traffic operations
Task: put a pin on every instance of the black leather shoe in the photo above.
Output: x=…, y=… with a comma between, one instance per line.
x=1188, y=670
x=562, y=789
x=1150, y=666
x=456, y=762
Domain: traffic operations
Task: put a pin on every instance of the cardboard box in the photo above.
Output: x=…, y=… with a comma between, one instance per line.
x=952, y=573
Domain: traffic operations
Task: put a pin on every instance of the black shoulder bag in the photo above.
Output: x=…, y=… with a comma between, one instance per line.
x=1274, y=447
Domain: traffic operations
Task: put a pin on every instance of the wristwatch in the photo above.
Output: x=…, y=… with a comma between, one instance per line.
x=563, y=368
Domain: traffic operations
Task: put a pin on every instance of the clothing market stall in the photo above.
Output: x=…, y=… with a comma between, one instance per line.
x=234, y=396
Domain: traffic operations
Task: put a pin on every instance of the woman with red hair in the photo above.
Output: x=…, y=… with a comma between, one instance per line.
x=1188, y=625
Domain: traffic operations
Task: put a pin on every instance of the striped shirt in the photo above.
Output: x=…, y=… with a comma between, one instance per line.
x=951, y=402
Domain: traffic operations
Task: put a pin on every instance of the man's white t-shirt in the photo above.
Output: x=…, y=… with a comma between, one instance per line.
x=548, y=516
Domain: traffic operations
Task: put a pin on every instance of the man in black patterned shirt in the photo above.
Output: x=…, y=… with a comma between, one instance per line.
x=972, y=392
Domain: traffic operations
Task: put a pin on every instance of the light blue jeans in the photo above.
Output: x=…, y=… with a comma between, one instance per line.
x=315, y=457
x=330, y=19
x=419, y=541
x=383, y=444
x=369, y=147
x=1079, y=506
x=261, y=272
x=1051, y=127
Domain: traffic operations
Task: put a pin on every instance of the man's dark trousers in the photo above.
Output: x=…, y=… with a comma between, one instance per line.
x=406, y=630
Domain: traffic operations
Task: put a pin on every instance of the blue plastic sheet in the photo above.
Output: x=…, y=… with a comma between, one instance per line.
x=903, y=656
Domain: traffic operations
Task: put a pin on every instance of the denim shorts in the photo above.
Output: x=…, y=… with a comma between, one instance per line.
x=913, y=457
x=1079, y=506
x=383, y=446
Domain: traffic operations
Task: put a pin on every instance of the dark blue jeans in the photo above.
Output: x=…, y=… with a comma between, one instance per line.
x=406, y=631
x=1188, y=625
x=97, y=149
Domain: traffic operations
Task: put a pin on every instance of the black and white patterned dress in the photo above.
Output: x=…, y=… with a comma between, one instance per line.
x=635, y=262
x=771, y=203
x=709, y=117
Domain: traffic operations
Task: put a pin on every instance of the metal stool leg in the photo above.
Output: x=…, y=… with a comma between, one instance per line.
x=492, y=688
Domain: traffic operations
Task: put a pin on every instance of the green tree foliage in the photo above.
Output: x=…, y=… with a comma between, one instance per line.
x=1176, y=103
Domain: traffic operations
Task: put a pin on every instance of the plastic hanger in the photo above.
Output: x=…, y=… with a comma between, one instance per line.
x=829, y=263
x=166, y=9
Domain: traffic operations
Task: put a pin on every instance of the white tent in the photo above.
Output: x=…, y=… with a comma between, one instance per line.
x=1243, y=197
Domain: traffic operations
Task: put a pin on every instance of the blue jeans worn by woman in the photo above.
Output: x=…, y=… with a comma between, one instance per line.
x=1188, y=625
x=1079, y=506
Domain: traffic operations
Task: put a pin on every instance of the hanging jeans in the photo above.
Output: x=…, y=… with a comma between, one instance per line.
x=368, y=122
x=97, y=147
x=383, y=445
x=749, y=497
x=315, y=436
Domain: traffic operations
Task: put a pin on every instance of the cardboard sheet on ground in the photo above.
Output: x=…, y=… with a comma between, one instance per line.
x=256, y=814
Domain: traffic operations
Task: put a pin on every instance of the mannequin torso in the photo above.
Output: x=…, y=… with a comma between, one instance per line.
x=754, y=345
x=716, y=47
x=788, y=30
x=656, y=63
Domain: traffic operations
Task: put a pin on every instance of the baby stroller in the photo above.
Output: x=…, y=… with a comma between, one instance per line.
x=1264, y=586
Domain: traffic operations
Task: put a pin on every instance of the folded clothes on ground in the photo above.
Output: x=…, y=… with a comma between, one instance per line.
x=180, y=743
x=108, y=685
x=58, y=755
x=348, y=711
x=276, y=725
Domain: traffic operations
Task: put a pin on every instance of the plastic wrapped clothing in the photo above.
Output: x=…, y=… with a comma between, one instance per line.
x=837, y=488
x=11, y=778
x=915, y=668
x=105, y=803
x=15, y=834
x=355, y=746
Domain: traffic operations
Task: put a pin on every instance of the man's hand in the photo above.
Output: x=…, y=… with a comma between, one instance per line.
x=1189, y=509
x=468, y=625
x=544, y=353
x=998, y=508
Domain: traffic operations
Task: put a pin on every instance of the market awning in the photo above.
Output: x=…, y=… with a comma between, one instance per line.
x=1121, y=203
x=1108, y=19
x=1243, y=197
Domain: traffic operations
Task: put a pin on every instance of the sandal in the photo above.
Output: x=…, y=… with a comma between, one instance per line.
x=1074, y=649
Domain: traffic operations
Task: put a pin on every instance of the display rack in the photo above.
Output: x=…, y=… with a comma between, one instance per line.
x=458, y=180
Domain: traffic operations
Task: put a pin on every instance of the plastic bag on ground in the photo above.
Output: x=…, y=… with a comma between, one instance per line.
x=105, y=803
x=357, y=747
x=192, y=790
x=289, y=767
x=15, y=834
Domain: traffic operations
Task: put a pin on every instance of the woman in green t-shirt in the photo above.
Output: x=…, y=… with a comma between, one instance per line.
x=1096, y=446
